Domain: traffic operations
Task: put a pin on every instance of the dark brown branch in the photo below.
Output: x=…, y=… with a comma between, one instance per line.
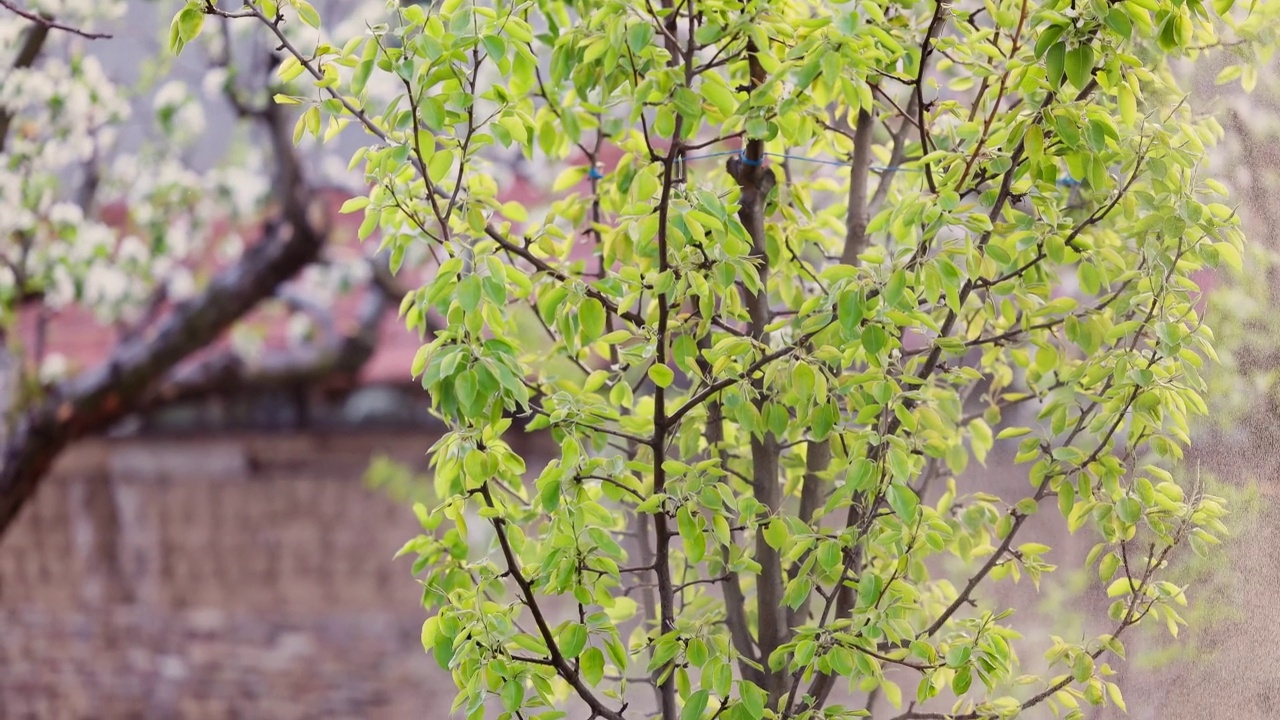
x=855, y=237
x=563, y=667
x=27, y=55
x=816, y=462
x=47, y=22
x=896, y=156
x=340, y=356
x=735, y=601
x=94, y=400
x=939, y=20
x=755, y=182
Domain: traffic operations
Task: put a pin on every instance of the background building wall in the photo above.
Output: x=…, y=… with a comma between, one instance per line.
x=215, y=577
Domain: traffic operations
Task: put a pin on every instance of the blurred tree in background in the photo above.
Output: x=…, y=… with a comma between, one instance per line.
x=104, y=212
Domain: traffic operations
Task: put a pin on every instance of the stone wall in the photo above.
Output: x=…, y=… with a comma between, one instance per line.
x=215, y=578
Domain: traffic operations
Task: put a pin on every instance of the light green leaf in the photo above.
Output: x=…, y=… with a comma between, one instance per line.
x=572, y=640
x=591, y=318
x=903, y=500
x=695, y=706
x=661, y=375
x=1079, y=65
x=592, y=665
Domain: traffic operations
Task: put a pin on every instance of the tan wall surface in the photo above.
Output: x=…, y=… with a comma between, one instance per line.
x=214, y=578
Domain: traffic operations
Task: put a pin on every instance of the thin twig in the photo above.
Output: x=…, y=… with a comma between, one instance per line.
x=49, y=22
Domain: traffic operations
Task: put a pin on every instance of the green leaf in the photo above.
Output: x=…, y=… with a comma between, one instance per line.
x=1118, y=20
x=1082, y=668
x=695, y=706
x=695, y=542
x=870, y=586
x=753, y=699
x=850, y=310
x=515, y=212
x=466, y=387
x=903, y=500
x=469, y=292
x=1055, y=62
x=512, y=694
x=354, y=204
x=1129, y=509
x=186, y=27
x=430, y=627
x=1230, y=255
x=874, y=339
x=569, y=177
x=661, y=375
x=803, y=380
x=895, y=287
x=572, y=640
x=775, y=534
x=1079, y=65
x=1048, y=38
x=892, y=693
x=720, y=97
x=591, y=319
x=1122, y=586
x=958, y=655
x=696, y=652
x=439, y=165
x=592, y=665
x=1169, y=35
x=307, y=13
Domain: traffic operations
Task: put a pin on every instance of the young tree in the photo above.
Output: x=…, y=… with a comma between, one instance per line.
x=140, y=238
x=806, y=260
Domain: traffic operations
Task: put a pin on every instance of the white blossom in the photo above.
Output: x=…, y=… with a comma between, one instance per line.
x=180, y=285
x=53, y=368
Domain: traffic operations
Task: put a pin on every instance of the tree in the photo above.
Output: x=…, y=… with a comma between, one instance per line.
x=809, y=261
x=131, y=234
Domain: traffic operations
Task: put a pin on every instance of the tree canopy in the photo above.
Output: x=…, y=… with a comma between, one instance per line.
x=810, y=261
x=808, y=264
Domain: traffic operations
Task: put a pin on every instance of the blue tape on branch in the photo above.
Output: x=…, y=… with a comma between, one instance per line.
x=742, y=155
x=595, y=174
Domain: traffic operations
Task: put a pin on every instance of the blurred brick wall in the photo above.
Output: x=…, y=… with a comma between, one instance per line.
x=215, y=578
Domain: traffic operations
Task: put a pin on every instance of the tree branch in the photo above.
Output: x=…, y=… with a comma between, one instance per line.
x=339, y=356
x=855, y=237
x=557, y=659
x=94, y=400
x=27, y=54
x=47, y=22
x=755, y=182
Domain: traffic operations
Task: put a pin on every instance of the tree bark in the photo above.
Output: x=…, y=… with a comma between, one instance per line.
x=95, y=400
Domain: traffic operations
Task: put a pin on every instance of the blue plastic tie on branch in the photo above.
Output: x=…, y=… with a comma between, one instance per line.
x=595, y=173
x=742, y=155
